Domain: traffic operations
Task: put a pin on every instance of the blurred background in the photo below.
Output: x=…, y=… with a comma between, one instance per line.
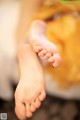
x=53, y=108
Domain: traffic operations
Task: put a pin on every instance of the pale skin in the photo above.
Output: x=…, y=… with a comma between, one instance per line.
x=31, y=88
x=41, y=45
x=30, y=91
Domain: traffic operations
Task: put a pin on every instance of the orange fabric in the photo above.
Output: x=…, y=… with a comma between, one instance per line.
x=64, y=31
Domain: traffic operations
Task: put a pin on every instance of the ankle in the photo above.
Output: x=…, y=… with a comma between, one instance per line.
x=23, y=51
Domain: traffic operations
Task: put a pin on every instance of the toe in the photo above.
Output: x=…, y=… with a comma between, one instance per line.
x=57, y=60
x=37, y=48
x=37, y=103
x=51, y=59
x=42, y=96
x=42, y=53
x=28, y=111
x=32, y=107
x=48, y=55
x=20, y=111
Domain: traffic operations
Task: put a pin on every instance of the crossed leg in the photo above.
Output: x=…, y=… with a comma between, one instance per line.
x=30, y=91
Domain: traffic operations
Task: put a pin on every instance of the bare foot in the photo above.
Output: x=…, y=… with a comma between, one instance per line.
x=45, y=49
x=30, y=91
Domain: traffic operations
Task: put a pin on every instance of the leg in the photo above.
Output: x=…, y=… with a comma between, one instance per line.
x=31, y=88
x=45, y=49
x=28, y=9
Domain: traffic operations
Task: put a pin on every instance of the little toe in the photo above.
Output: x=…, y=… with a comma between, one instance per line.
x=37, y=103
x=28, y=111
x=57, y=60
x=42, y=96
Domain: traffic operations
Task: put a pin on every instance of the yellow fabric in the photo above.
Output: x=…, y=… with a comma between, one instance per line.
x=64, y=31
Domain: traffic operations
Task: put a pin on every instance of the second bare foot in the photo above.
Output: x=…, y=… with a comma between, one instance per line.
x=45, y=49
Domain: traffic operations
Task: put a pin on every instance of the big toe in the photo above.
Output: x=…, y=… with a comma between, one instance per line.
x=20, y=111
x=57, y=60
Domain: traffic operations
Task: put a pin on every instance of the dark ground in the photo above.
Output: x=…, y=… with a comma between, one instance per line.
x=51, y=109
